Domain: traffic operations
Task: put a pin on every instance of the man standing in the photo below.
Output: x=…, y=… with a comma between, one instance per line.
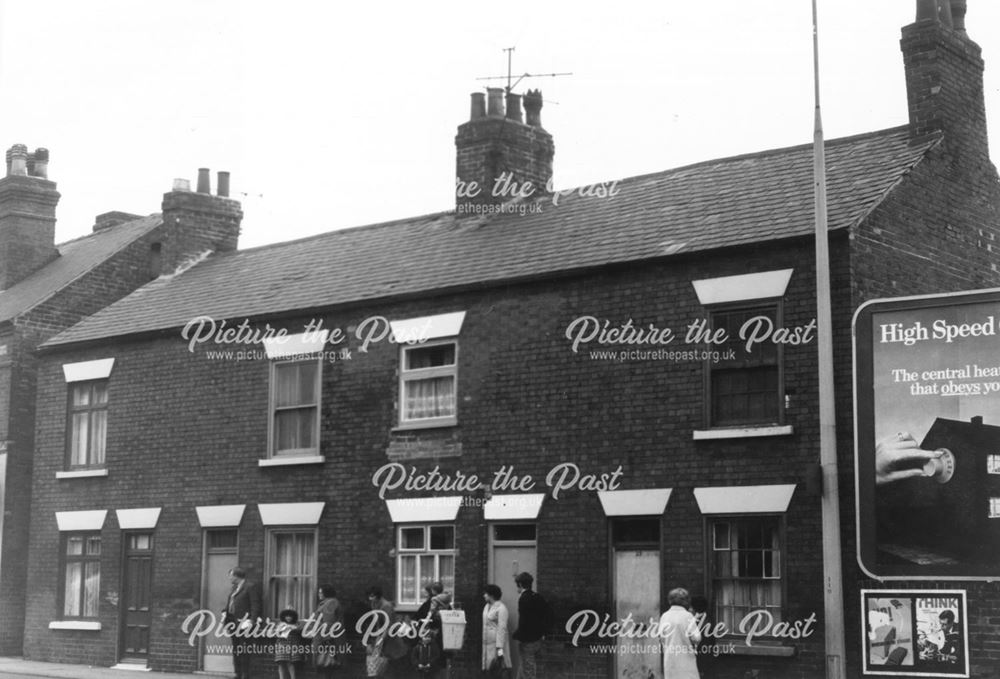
x=533, y=619
x=243, y=610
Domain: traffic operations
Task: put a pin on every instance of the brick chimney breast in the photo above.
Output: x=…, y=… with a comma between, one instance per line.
x=197, y=221
x=944, y=78
x=499, y=148
x=27, y=215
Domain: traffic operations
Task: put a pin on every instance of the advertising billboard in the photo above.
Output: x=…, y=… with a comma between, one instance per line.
x=927, y=436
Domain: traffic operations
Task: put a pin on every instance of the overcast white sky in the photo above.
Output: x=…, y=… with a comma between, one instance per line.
x=333, y=114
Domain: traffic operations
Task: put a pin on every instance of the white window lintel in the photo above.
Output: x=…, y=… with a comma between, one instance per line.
x=290, y=513
x=84, y=371
x=91, y=519
x=744, y=499
x=745, y=287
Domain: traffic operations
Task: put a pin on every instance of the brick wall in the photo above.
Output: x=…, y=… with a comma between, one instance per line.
x=186, y=431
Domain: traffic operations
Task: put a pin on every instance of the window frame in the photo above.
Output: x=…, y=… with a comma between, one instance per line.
x=711, y=419
x=426, y=550
x=710, y=522
x=90, y=410
x=407, y=375
x=271, y=607
x=272, y=445
x=65, y=560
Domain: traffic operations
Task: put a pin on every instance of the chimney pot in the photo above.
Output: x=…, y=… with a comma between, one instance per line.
x=204, y=180
x=222, y=184
x=478, y=106
x=494, y=107
x=182, y=185
x=39, y=163
x=514, y=106
x=533, y=108
x=958, y=9
x=17, y=160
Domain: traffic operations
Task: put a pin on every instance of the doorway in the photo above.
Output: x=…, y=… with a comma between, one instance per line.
x=221, y=555
x=636, y=577
x=136, y=599
x=514, y=549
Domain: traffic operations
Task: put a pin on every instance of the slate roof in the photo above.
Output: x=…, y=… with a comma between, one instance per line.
x=76, y=258
x=720, y=203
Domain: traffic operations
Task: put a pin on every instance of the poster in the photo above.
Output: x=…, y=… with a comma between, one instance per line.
x=928, y=436
x=915, y=633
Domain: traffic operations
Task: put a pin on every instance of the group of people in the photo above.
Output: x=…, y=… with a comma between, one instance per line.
x=386, y=653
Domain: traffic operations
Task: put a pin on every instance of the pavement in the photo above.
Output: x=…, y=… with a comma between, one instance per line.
x=15, y=668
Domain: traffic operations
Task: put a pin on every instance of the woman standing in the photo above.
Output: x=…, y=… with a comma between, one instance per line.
x=330, y=619
x=496, y=642
x=376, y=663
x=680, y=636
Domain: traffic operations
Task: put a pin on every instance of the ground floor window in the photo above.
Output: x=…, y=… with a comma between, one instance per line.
x=746, y=567
x=81, y=575
x=291, y=571
x=425, y=554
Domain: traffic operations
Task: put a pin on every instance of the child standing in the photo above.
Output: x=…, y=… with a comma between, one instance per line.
x=288, y=644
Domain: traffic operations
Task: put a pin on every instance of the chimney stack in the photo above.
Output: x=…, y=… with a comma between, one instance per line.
x=944, y=78
x=197, y=221
x=27, y=215
x=495, y=149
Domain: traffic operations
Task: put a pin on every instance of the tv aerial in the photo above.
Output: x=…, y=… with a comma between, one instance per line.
x=511, y=83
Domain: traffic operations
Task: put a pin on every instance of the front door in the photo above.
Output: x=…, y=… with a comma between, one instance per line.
x=220, y=557
x=515, y=550
x=636, y=582
x=136, y=598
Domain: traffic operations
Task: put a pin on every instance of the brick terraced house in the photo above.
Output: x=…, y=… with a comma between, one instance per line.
x=652, y=464
x=47, y=287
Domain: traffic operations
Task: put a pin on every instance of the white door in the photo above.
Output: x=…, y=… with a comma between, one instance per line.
x=220, y=558
x=636, y=580
x=514, y=551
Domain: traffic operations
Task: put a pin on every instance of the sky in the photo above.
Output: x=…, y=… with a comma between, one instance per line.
x=331, y=115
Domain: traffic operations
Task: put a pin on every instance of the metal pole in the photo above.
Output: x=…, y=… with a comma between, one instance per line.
x=833, y=590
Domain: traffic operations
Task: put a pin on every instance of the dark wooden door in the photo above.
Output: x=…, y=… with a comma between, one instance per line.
x=136, y=598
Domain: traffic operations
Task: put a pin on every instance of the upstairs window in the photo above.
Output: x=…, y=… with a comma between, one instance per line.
x=87, y=422
x=295, y=398
x=429, y=384
x=746, y=388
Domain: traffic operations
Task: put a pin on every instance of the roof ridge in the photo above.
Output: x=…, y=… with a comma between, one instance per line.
x=100, y=232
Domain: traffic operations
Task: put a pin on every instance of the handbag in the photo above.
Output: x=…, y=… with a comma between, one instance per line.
x=498, y=669
x=376, y=665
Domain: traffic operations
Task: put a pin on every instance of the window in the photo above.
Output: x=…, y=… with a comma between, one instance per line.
x=425, y=554
x=745, y=567
x=295, y=390
x=993, y=464
x=428, y=383
x=994, y=508
x=88, y=423
x=747, y=388
x=291, y=571
x=81, y=575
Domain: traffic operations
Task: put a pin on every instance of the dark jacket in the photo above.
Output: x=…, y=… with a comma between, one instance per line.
x=533, y=617
x=245, y=603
